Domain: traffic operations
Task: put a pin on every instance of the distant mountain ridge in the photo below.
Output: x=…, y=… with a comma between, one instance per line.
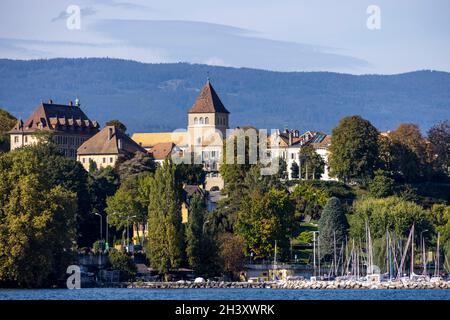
x=156, y=97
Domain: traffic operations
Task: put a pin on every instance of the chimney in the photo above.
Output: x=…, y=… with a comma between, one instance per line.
x=110, y=133
x=70, y=103
x=50, y=101
x=290, y=137
x=119, y=144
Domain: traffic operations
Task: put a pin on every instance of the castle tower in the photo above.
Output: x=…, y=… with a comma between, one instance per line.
x=207, y=125
x=207, y=115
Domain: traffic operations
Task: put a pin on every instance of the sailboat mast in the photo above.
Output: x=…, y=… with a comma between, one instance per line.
x=412, y=252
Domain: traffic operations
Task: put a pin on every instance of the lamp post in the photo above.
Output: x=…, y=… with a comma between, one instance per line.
x=101, y=229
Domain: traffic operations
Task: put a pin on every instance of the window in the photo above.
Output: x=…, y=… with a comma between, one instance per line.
x=195, y=120
x=26, y=139
x=201, y=120
x=111, y=160
x=292, y=156
x=83, y=160
x=213, y=154
x=104, y=160
x=16, y=139
x=206, y=120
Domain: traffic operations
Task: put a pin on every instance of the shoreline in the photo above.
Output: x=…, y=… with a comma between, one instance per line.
x=293, y=285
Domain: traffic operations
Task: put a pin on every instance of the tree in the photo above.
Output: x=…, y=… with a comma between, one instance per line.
x=70, y=174
x=312, y=164
x=308, y=201
x=126, y=206
x=38, y=220
x=200, y=245
x=333, y=227
x=165, y=242
x=191, y=174
x=139, y=163
x=393, y=214
x=354, y=150
x=116, y=123
x=231, y=253
x=382, y=185
x=266, y=218
x=439, y=137
x=7, y=122
x=194, y=231
x=122, y=262
x=409, y=153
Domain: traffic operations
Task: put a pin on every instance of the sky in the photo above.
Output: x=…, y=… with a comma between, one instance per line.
x=350, y=36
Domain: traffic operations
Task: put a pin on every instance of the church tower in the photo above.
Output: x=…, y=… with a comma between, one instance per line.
x=207, y=116
x=207, y=125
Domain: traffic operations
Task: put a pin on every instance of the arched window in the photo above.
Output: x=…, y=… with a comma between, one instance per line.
x=201, y=120
x=195, y=120
x=206, y=120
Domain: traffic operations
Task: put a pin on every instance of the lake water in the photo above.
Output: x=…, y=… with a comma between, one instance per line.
x=220, y=294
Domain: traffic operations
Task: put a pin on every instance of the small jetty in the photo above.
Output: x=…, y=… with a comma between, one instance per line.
x=295, y=285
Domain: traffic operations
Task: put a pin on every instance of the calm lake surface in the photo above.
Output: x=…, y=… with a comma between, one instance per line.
x=220, y=294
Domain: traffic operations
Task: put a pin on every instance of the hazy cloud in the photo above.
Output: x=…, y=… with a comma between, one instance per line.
x=87, y=11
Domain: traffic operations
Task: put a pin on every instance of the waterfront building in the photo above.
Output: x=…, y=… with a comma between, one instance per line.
x=105, y=148
x=67, y=125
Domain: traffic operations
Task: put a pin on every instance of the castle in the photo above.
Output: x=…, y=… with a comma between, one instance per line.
x=207, y=127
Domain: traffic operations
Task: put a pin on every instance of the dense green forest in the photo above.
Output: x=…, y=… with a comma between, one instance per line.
x=155, y=97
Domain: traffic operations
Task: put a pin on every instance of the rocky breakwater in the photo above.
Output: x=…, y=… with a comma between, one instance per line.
x=351, y=284
x=299, y=285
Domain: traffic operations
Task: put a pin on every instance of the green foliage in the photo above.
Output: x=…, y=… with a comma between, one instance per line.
x=312, y=164
x=121, y=261
x=393, y=214
x=192, y=174
x=165, y=243
x=117, y=123
x=381, y=186
x=7, y=122
x=333, y=226
x=139, y=163
x=201, y=248
x=264, y=218
x=354, y=150
x=126, y=207
x=439, y=138
x=308, y=200
x=37, y=219
x=71, y=175
x=194, y=231
x=231, y=253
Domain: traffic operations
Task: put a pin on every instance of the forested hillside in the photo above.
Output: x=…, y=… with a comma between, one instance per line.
x=155, y=97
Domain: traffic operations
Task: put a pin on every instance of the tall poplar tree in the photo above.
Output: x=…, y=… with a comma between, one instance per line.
x=165, y=240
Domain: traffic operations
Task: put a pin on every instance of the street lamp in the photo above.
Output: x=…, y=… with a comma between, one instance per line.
x=101, y=229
